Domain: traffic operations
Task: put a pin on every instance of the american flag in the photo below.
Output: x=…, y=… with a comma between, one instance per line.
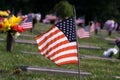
x=92, y=27
x=81, y=33
x=59, y=43
x=27, y=23
x=80, y=20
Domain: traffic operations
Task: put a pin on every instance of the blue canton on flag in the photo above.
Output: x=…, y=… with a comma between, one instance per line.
x=67, y=26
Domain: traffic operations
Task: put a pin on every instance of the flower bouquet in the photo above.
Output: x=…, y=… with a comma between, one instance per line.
x=11, y=25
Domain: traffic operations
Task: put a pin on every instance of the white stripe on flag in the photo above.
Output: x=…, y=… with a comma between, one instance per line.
x=66, y=59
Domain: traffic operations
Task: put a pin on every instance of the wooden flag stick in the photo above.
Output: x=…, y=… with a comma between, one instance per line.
x=74, y=13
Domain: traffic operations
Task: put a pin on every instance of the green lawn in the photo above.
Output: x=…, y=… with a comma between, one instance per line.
x=100, y=69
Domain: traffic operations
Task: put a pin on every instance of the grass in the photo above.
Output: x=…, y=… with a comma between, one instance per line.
x=100, y=69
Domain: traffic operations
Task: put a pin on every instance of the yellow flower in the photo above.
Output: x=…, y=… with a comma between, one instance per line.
x=13, y=20
x=6, y=25
x=4, y=13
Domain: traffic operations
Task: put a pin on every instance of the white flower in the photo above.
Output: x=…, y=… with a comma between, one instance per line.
x=16, y=35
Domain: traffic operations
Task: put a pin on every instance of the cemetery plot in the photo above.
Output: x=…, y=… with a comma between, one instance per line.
x=1, y=40
x=25, y=41
x=117, y=77
x=30, y=52
x=88, y=46
x=28, y=35
x=97, y=57
x=81, y=56
x=110, y=39
x=53, y=70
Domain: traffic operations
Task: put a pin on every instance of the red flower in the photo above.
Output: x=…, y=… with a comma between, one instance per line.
x=18, y=28
x=21, y=29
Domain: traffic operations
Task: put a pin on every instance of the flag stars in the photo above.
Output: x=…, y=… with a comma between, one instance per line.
x=68, y=28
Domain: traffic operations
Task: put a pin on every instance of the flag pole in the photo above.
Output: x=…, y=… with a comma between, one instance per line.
x=74, y=14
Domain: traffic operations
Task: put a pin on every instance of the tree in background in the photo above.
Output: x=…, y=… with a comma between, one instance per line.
x=63, y=9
